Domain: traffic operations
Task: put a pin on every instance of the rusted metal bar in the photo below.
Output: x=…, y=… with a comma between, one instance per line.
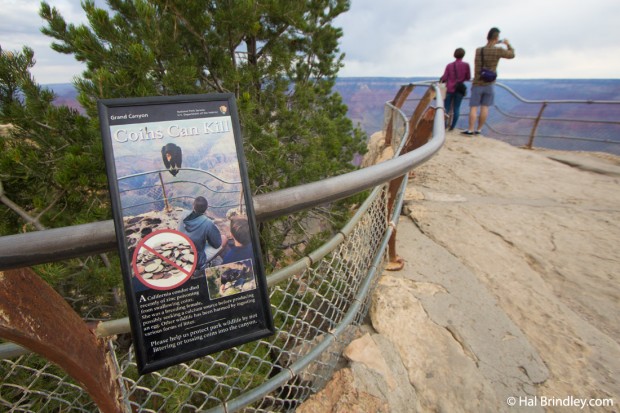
x=536, y=122
x=420, y=109
x=420, y=137
x=422, y=132
x=395, y=263
x=34, y=316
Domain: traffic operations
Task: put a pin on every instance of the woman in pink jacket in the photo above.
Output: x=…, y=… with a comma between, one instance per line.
x=454, y=76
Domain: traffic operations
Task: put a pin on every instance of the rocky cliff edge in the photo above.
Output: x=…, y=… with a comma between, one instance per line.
x=509, y=299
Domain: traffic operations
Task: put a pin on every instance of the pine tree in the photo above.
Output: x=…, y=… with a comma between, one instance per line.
x=51, y=159
x=51, y=175
x=280, y=58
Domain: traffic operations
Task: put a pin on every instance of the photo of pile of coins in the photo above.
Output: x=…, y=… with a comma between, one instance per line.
x=158, y=265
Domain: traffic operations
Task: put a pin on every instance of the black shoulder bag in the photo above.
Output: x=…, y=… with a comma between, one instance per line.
x=460, y=88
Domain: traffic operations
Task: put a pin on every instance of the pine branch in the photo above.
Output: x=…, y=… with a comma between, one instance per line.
x=58, y=197
x=19, y=210
x=217, y=83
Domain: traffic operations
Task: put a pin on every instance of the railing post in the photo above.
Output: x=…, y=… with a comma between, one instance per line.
x=533, y=133
x=163, y=190
x=421, y=130
x=395, y=263
x=418, y=112
x=420, y=135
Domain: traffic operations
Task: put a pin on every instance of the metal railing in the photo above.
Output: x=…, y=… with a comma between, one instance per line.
x=316, y=302
x=568, y=124
x=157, y=187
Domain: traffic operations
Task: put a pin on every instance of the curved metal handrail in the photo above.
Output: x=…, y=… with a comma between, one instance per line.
x=371, y=222
x=533, y=132
x=335, y=332
x=570, y=138
x=582, y=101
x=603, y=122
x=89, y=239
x=536, y=121
x=120, y=326
x=104, y=231
x=181, y=169
x=297, y=367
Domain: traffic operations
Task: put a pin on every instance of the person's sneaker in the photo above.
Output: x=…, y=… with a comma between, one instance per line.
x=467, y=132
x=477, y=132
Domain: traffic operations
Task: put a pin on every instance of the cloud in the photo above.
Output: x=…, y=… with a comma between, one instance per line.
x=553, y=38
x=406, y=38
x=21, y=25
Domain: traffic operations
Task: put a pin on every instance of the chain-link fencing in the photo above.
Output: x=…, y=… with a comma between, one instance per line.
x=317, y=303
x=315, y=310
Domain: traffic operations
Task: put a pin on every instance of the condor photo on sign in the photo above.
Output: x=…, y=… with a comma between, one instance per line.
x=185, y=226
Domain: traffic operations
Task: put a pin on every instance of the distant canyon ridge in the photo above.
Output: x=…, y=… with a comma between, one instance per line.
x=365, y=98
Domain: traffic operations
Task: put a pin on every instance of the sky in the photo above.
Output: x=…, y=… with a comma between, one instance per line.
x=553, y=39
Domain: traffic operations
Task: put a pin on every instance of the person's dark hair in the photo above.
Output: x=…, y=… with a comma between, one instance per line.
x=240, y=230
x=200, y=204
x=493, y=33
x=459, y=53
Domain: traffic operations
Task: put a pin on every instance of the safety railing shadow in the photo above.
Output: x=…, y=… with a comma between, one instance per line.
x=316, y=302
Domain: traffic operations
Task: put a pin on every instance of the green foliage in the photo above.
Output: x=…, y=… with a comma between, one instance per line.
x=35, y=386
x=51, y=170
x=50, y=158
x=279, y=58
x=90, y=286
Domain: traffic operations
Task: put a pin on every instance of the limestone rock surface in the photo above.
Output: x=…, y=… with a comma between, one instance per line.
x=510, y=288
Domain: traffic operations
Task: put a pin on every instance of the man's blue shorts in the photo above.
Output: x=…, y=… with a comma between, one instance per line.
x=482, y=95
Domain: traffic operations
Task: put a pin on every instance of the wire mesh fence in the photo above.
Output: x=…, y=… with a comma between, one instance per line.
x=317, y=303
x=316, y=311
x=398, y=125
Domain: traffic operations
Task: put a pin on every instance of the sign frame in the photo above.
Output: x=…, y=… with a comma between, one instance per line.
x=178, y=310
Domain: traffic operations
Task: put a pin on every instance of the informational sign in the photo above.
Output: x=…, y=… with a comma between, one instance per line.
x=185, y=226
